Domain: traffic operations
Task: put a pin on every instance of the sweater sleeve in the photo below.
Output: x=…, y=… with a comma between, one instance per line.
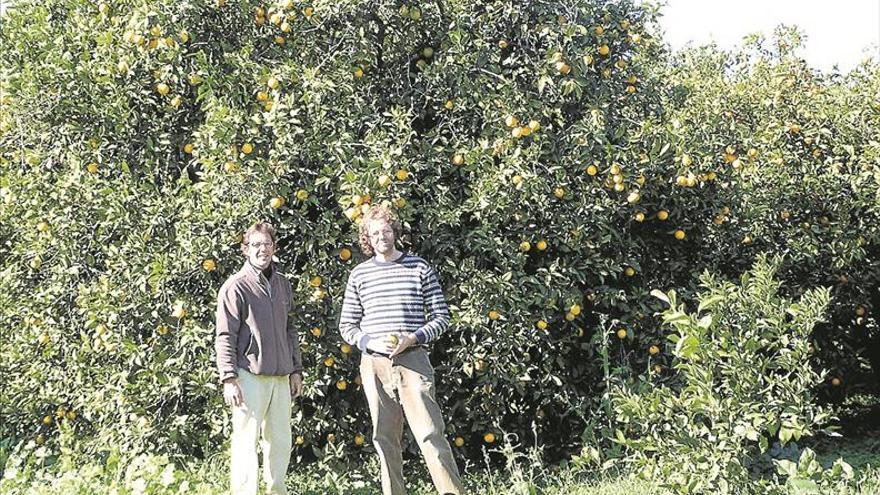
x=351, y=315
x=229, y=306
x=293, y=334
x=437, y=319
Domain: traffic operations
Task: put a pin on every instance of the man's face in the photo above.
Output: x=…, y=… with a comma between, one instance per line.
x=381, y=236
x=260, y=250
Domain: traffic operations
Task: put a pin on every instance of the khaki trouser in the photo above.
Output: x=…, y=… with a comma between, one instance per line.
x=265, y=416
x=405, y=386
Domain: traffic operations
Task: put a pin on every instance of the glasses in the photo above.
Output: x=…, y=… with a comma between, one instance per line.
x=381, y=233
x=258, y=245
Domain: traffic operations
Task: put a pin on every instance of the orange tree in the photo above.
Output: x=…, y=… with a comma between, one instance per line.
x=546, y=157
x=140, y=138
x=740, y=384
x=798, y=175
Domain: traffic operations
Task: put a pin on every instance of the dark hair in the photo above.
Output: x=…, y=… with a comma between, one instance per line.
x=376, y=213
x=263, y=228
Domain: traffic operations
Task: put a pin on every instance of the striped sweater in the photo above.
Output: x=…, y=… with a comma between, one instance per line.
x=385, y=297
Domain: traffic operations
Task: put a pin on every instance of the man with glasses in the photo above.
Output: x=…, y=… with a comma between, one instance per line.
x=393, y=306
x=259, y=361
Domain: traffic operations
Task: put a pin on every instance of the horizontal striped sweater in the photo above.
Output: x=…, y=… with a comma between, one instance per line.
x=386, y=297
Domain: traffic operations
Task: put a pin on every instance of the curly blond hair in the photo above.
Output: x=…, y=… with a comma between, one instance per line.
x=377, y=213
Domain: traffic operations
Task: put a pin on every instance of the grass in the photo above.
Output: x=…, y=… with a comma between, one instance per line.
x=524, y=473
x=158, y=477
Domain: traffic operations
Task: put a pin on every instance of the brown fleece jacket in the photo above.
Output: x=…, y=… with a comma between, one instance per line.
x=254, y=332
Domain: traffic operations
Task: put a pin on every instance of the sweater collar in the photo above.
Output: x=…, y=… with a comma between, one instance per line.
x=395, y=261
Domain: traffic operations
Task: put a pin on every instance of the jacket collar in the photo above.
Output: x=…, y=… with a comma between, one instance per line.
x=254, y=272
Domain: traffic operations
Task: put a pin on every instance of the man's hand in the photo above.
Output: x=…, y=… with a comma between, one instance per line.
x=296, y=385
x=405, y=341
x=232, y=393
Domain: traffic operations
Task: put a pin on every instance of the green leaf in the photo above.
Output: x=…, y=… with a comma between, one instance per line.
x=709, y=302
x=785, y=435
x=688, y=347
x=660, y=295
x=803, y=486
x=785, y=467
x=676, y=318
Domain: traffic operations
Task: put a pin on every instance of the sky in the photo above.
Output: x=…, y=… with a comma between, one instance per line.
x=842, y=32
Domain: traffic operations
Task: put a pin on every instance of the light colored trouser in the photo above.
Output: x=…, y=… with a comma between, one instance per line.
x=405, y=385
x=266, y=411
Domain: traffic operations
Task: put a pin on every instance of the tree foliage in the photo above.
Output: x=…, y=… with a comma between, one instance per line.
x=549, y=158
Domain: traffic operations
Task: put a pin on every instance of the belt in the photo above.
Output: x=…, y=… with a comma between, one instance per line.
x=388, y=356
